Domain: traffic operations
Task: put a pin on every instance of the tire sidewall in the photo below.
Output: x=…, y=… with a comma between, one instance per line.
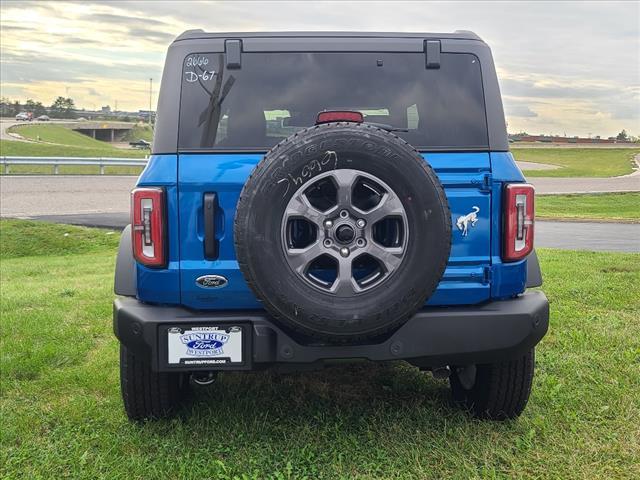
x=285, y=169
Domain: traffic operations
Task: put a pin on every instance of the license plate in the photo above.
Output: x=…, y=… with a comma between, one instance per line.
x=201, y=346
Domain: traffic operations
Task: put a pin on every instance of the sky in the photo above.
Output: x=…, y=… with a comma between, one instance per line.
x=564, y=67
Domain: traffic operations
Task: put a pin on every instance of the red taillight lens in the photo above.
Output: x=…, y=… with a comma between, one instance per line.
x=339, y=116
x=518, y=221
x=148, y=226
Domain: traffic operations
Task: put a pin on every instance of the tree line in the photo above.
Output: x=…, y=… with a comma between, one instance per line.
x=60, y=108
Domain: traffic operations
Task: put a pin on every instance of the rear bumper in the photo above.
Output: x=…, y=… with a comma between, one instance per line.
x=433, y=337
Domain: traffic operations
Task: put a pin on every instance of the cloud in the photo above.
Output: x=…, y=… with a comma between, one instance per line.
x=127, y=20
x=74, y=69
x=152, y=35
x=519, y=111
x=566, y=65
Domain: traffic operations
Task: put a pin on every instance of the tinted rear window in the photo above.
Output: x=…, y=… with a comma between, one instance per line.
x=275, y=94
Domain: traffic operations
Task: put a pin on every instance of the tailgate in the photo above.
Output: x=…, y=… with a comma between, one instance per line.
x=465, y=177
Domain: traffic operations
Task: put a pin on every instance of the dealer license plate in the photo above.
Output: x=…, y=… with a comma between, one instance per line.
x=199, y=346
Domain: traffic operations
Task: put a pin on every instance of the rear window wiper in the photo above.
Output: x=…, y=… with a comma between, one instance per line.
x=388, y=128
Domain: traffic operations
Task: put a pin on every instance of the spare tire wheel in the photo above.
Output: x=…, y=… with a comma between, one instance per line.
x=343, y=231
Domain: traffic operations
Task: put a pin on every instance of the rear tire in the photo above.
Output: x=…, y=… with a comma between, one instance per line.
x=148, y=394
x=501, y=390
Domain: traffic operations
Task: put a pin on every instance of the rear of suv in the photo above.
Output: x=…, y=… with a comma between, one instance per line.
x=314, y=197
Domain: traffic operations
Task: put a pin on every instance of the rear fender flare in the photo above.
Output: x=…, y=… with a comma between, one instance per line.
x=125, y=278
x=534, y=274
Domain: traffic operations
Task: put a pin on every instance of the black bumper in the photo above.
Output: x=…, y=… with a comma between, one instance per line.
x=435, y=336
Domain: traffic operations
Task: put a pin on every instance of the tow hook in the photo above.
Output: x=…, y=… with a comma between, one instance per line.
x=204, y=378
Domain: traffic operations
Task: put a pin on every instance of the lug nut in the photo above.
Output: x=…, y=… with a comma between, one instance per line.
x=361, y=223
x=328, y=223
x=344, y=251
x=361, y=242
x=344, y=214
x=327, y=243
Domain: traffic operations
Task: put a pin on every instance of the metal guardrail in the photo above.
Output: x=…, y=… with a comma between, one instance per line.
x=55, y=162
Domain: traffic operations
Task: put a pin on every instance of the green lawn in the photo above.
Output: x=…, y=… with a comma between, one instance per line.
x=138, y=132
x=612, y=207
x=62, y=415
x=578, y=162
x=24, y=149
x=53, y=133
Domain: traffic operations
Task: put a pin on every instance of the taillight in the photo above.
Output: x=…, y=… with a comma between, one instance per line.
x=518, y=221
x=339, y=116
x=148, y=226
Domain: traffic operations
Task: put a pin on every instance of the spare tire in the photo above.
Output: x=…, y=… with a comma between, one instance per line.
x=343, y=231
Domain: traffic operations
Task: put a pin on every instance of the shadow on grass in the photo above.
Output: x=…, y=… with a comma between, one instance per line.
x=375, y=402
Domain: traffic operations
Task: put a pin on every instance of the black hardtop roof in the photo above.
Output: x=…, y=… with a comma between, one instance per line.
x=201, y=34
x=190, y=42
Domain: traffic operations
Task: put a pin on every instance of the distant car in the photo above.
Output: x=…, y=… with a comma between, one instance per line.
x=140, y=144
x=24, y=117
x=43, y=118
x=81, y=119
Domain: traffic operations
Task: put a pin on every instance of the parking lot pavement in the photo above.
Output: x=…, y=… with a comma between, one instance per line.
x=551, y=186
x=114, y=221
x=34, y=195
x=103, y=201
x=605, y=237
x=560, y=185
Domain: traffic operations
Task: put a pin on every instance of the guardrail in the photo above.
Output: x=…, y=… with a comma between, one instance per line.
x=55, y=162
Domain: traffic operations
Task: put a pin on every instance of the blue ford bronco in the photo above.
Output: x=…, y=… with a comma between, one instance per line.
x=321, y=197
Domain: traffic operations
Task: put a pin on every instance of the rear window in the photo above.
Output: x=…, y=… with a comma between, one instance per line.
x=276, y=94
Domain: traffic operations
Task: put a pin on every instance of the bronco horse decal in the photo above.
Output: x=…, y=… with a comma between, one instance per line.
x=464, y=220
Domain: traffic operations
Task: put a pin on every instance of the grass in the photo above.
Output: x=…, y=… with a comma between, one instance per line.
x=138, y=132
x=578, y=162
x=62, y=415
x=611, y=207
x=57, y=134
x=99, y=149
x=23, y=238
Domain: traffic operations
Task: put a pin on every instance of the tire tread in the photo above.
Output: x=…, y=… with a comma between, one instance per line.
x=147, y=394
x=501, y=390
x=242, y=209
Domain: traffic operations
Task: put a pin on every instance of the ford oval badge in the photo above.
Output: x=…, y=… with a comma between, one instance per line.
x=212, y=281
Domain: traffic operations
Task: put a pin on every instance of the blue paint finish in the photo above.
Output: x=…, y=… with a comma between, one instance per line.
x=475, y=272
x=163, y=285
x=504, y=168
x=461, y=162
x=160, y=170
x=462, y=174
x=224, y=174
x=507, y=279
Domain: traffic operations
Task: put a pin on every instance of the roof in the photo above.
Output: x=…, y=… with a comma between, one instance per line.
x=201, y=34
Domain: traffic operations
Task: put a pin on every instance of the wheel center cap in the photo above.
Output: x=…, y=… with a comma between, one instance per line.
x=345, y=233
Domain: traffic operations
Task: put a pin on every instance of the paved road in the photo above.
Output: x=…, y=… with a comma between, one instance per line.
x=4, y=126
x=623, y=183
x=5, y=123
x=48, y=195
x=536, y=166
x=551, y=186
x=64, y=194
x=104, y=201
x=605, y=237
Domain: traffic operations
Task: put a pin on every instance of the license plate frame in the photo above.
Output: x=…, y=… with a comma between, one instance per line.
x=206, y=346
